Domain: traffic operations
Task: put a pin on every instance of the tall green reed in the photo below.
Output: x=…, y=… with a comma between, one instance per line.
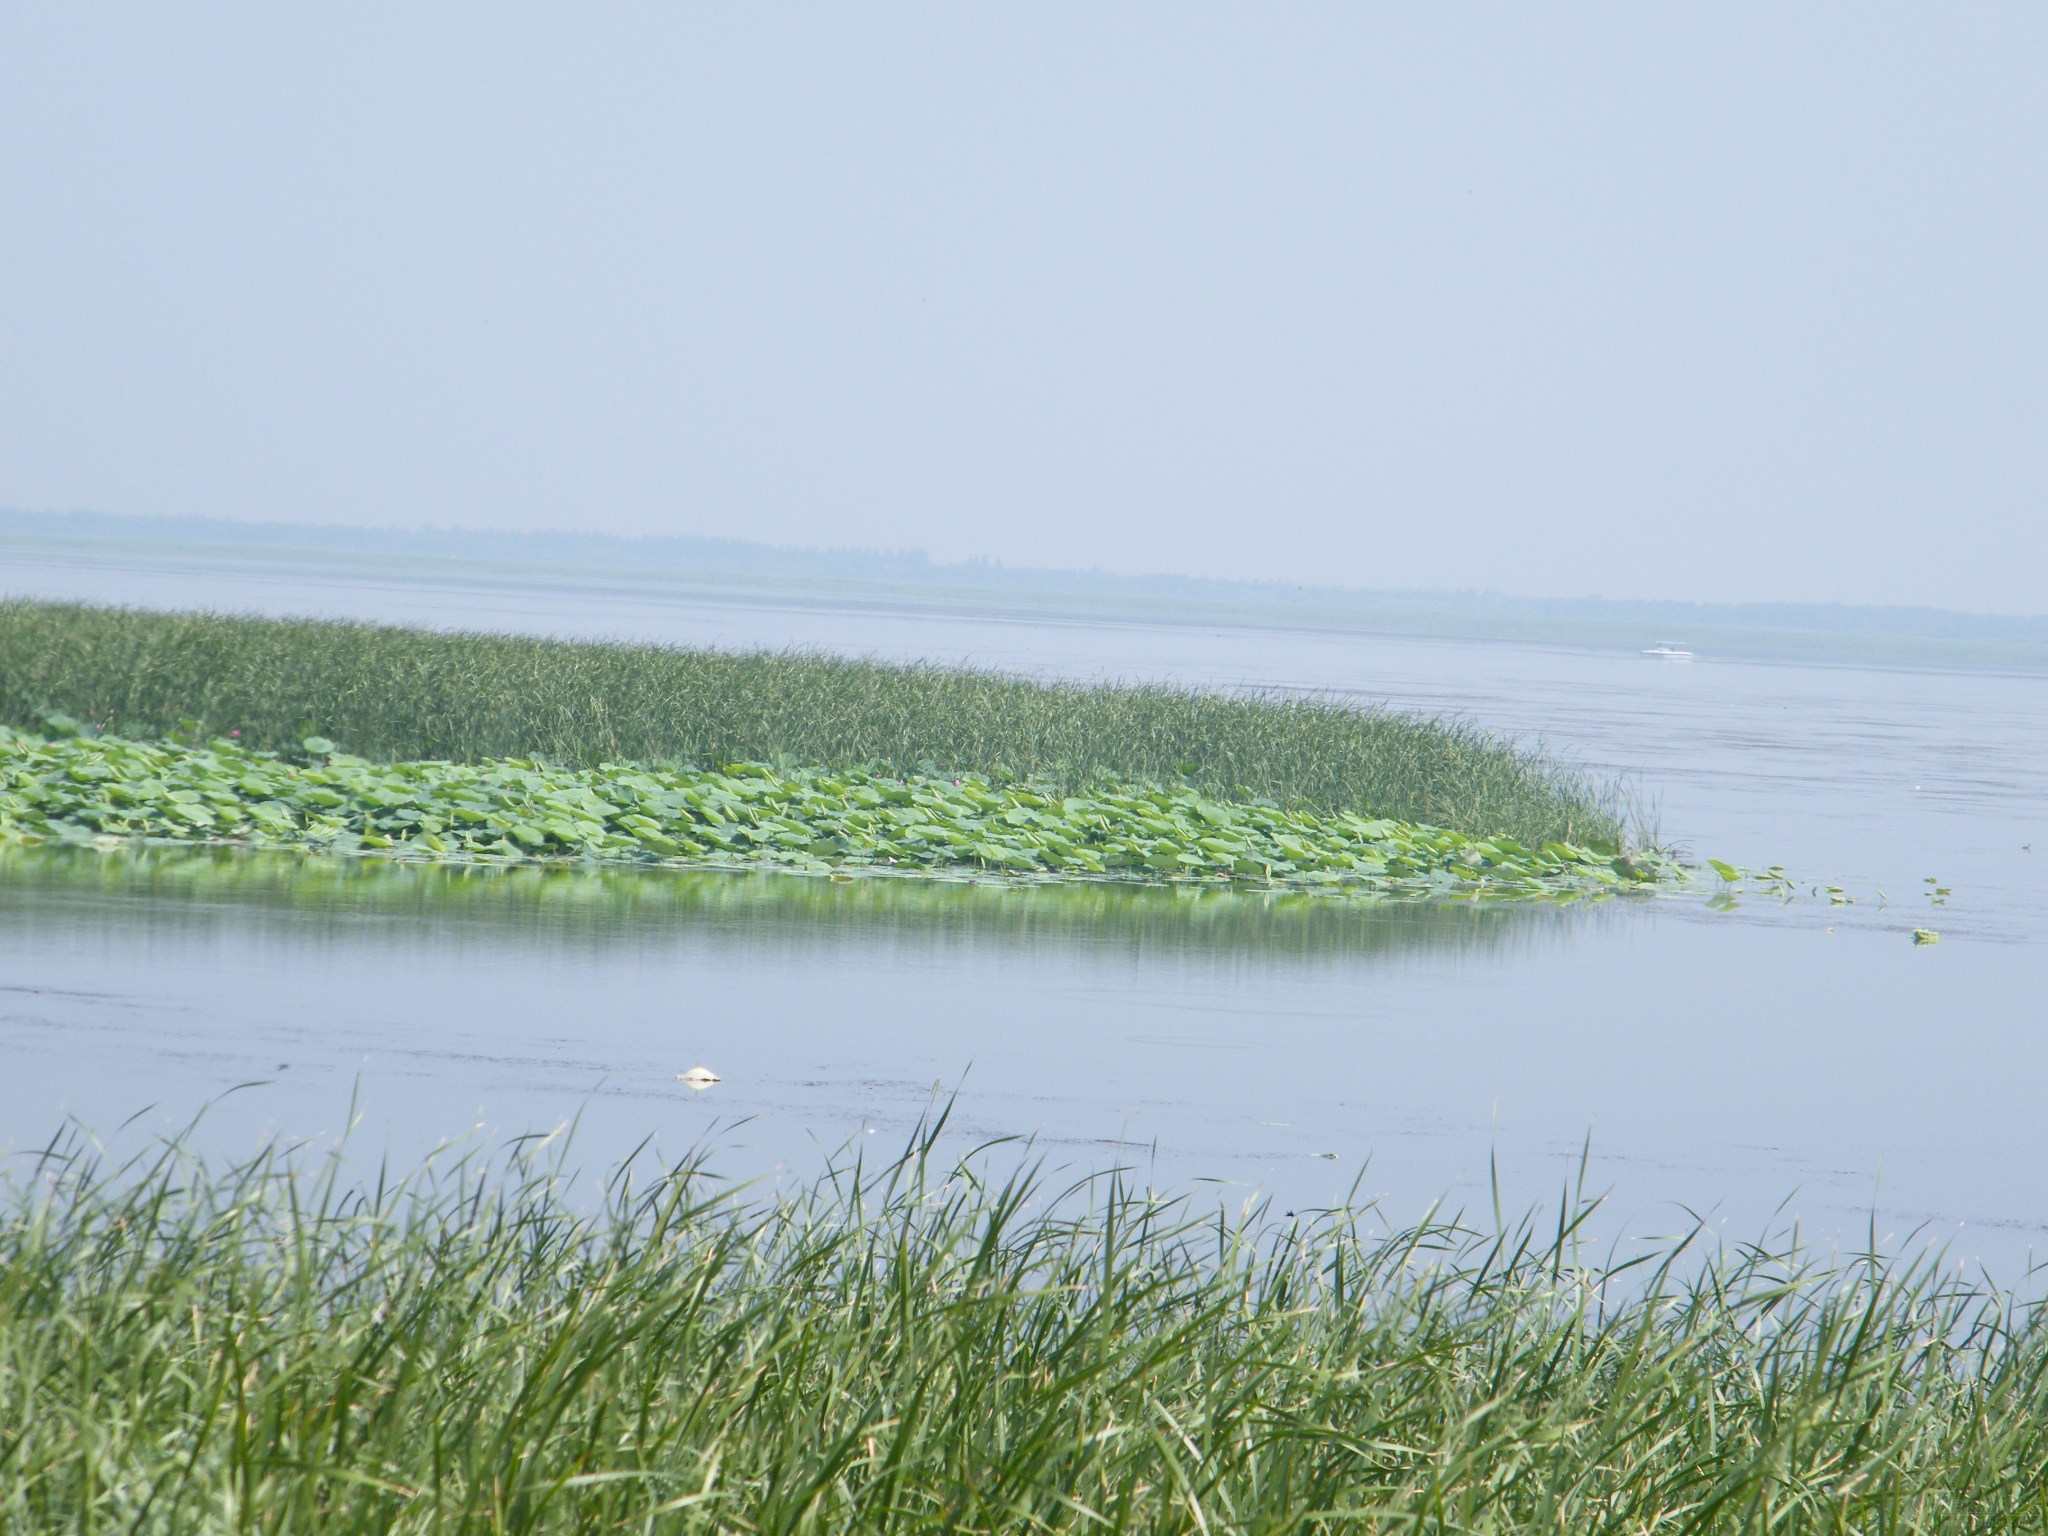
x=933, y=1345
x=393, y=693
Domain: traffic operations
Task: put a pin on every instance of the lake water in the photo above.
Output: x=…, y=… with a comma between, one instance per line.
x=1775, y=1062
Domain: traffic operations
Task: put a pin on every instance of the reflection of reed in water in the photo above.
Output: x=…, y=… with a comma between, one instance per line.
x=607, y=905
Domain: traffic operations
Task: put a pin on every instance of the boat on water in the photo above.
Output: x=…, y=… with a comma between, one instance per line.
x=1664, y=650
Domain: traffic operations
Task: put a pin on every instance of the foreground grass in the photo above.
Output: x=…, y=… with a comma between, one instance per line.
x=394, y=694
x=185, y=1349
x=74, y=787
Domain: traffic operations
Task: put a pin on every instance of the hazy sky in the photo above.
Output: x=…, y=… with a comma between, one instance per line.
x=1740, y=301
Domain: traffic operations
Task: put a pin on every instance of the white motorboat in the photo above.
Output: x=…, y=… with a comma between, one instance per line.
x=1664, y=650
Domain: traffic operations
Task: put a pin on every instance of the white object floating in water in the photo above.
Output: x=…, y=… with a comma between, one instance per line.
x=1664, y=650
x=699, y=1078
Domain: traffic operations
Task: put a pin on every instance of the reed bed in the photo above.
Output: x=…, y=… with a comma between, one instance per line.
x=925, y=1347
x=392, y=694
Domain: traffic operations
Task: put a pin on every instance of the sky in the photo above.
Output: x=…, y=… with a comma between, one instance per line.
x=1729, y=303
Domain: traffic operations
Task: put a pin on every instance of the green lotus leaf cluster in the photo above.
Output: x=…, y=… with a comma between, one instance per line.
x=81, y=787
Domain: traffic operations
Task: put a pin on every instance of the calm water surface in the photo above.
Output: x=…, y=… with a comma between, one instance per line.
x=1777, y=1061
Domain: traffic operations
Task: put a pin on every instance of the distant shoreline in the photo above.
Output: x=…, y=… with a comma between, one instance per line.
x=683, y=568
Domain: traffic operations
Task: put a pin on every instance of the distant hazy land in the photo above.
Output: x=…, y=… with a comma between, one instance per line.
x=907, y=578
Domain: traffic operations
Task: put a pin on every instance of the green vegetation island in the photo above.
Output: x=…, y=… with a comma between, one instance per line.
x=937, y=1346
x=468, y=746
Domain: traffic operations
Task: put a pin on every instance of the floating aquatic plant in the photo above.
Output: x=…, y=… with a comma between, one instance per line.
x=81, y=787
